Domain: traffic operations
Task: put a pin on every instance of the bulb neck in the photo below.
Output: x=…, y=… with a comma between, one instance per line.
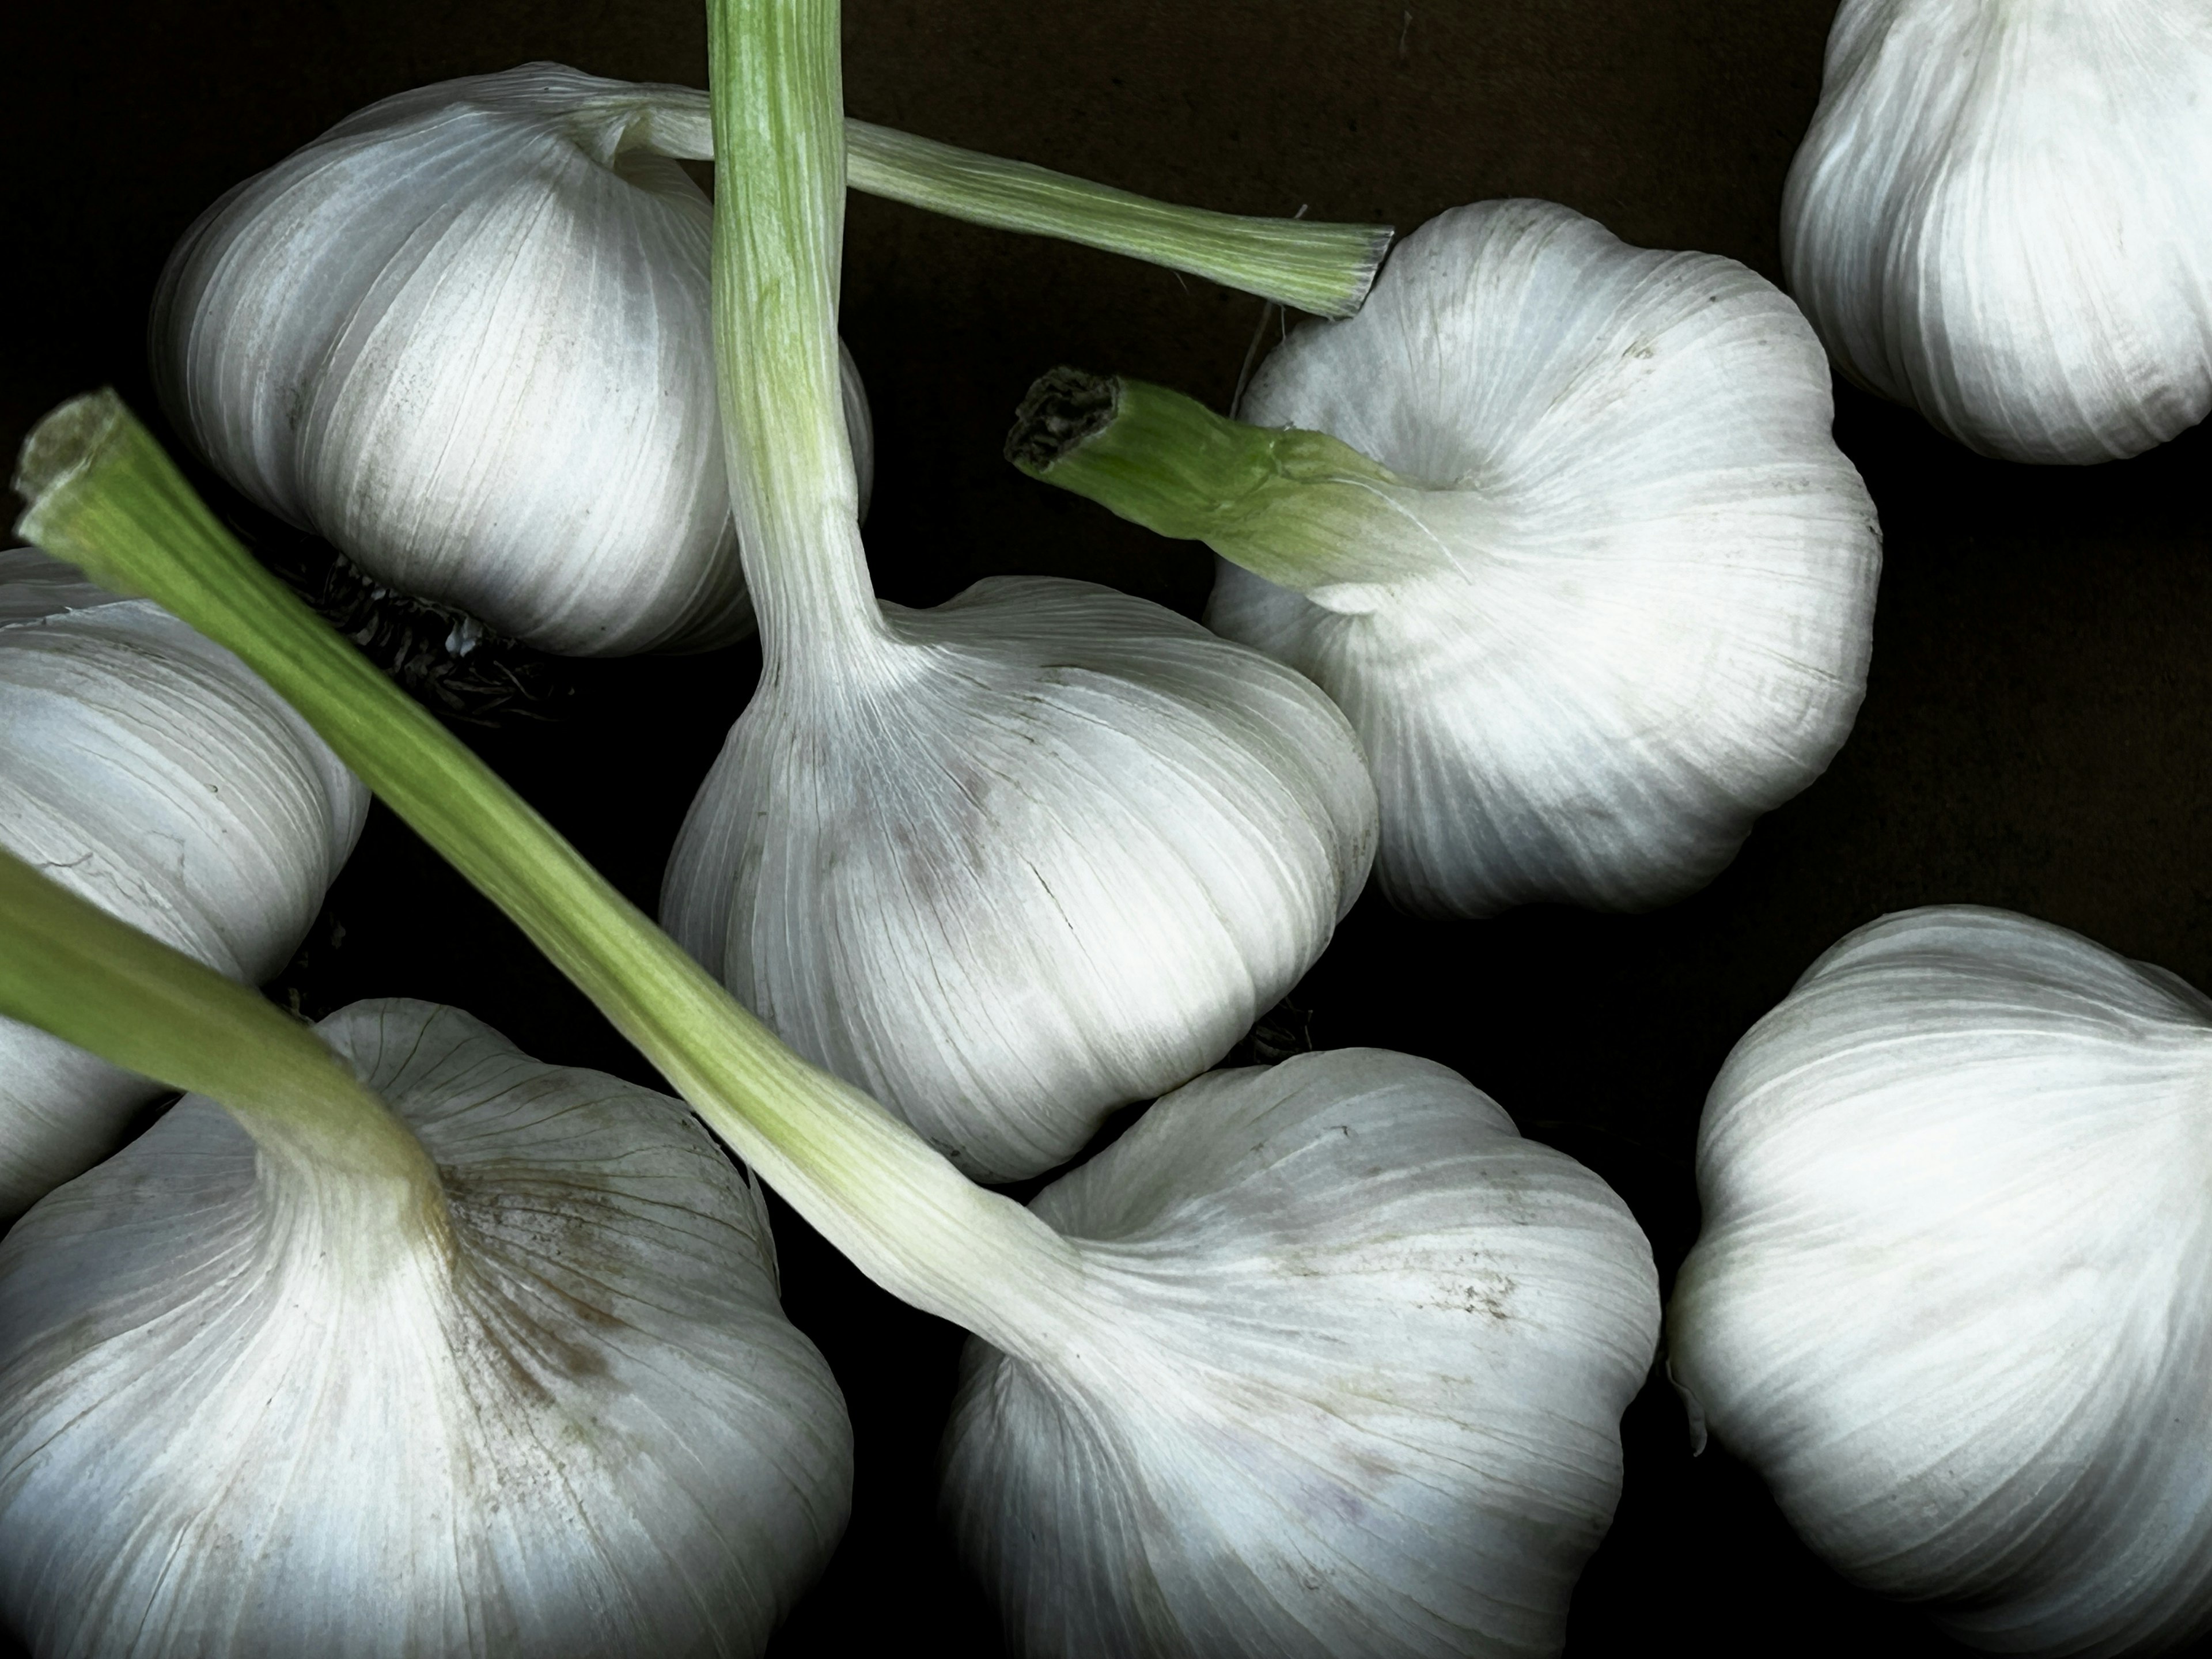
x=70, y=968
x=1302, y=509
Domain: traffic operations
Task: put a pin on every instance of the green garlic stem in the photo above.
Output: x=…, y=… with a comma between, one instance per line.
x=104, y=496
x=1302, y=509
x=68, y=967
x=1326, y=269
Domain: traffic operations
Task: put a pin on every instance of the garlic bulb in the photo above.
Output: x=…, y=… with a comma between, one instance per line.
x=252, y=1404
x=1351, y=1385
x=2001, y=216
x=1009, y=863
x=1568, y=539
x=1950, y=1295
x=150, y=771
x=464, y=336
x=1021, y=859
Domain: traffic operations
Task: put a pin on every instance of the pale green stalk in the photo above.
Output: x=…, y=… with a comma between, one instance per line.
x=104, y=496
x=68, y=967
x=1326, y=269
x=1301, y=508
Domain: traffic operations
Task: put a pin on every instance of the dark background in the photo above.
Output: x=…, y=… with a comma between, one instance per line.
x=2031, y=736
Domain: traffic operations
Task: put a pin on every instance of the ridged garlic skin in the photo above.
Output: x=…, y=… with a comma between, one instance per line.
x=1950, y=1295
x=464, y=335
x=2001, y=216
x=149, y=770
x=1352, y=1389
x=244, y=1417
x=1657, y=610
x=1049, y=850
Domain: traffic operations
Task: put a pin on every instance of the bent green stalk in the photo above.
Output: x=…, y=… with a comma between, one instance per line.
x=69, y=967
x=103, y=495
x=1326, y=269
x=1304, y=509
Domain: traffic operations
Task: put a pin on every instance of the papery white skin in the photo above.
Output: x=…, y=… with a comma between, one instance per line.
x=1352, y=1385
x=464, y=335
x=247, y=1410
x=1644, y=605
x=149, y=770
x=1950, y=1295
x=2001, y=216
x=1036, y=852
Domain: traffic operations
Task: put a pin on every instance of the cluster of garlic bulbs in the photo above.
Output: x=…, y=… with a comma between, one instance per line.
x=1544, y=579
x=148, y=769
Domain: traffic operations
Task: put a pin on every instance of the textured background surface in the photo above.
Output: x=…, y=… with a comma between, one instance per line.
x=2032, y=736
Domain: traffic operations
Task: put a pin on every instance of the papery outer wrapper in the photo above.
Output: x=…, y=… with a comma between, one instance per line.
x=149, y=771
x=1350, y=1385
x=477, y=358
x=2001, y=216
x=1950, y=1295
x=1053, y=852
x=1660, y=615
x=240, y=1419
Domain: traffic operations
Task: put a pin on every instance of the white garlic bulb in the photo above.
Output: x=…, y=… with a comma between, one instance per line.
x=464, y=336
x=149, y=771
x=250, y=1406
x=1352, y=1389
x=1014, y=861
x=2001, y=216
x=1558, y=523
x=1950, y=1295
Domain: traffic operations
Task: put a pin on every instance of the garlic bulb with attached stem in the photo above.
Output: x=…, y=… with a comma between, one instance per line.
x=150, y=772
x=420, y=1346
x=1950, y=1298
x=1558, y=523
x=1008, y=863
x=1407, y=1527
x=464, y=335
x=2002, y=216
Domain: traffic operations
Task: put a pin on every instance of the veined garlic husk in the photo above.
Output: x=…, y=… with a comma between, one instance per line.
x=1350, y=1381
x=464, y=336
x=1950, y=1295
x=1011, y=862
x=2001, y=216
x=149, y=771
x=1558, y=522
x=253, y=1405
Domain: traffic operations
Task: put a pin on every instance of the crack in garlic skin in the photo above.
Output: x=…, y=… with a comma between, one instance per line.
x=1346, y=1382
x=1950, y=1295
x=1659, y=616
x=246, y=1410
x=2002, y=216
x=149, y=771
x=1043, y=850
x=464, y=335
